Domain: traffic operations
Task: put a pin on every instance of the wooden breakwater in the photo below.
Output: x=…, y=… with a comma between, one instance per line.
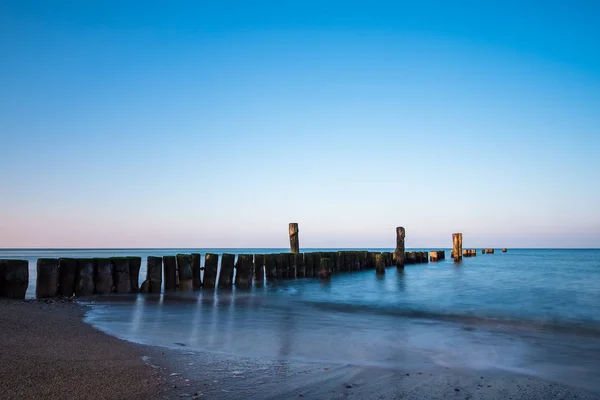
x=182, y=272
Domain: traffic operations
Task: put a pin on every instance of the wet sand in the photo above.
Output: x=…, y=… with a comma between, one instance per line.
x=46, y=351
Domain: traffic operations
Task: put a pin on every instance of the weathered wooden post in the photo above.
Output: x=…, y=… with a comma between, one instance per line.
x=153, y=281
x=243, y=271
x=259, y=268
x=84, y=277
x=211, y=264
x=283, y=266
x=170, y=272
x=271, y=267
x=433, y=256
x=400, y=249
x=121, y=277
x=47, y=278
x=294, y=240
x=14, y=278
x=325, y=268
x=457, y=246
x=308, y=265
x=135, y=264
x=300, y=267
x=226, y=275
x=196, y=277
x=184, y=270
x=379, y=264
x=67, y=268
x=103, y=276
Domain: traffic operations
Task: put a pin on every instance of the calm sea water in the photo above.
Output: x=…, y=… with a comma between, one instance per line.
x=535, y=311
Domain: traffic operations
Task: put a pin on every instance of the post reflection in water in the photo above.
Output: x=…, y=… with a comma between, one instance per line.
x=420, y=316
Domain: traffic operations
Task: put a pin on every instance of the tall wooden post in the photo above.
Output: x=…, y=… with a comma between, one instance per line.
x=457, y=246
x=399, y=253
x=294, y=241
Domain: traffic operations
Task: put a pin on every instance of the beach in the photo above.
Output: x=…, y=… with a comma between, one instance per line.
x=46, y=352
x=49, y=352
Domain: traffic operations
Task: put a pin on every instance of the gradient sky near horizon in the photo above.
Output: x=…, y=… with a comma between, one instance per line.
x=214, y=124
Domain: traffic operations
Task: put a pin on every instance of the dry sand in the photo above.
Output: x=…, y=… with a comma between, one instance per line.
x=47, y=352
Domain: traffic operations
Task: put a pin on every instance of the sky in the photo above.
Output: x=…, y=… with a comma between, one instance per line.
x=215, y=124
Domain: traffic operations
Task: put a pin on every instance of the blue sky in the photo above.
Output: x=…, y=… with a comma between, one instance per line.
x=214, y=124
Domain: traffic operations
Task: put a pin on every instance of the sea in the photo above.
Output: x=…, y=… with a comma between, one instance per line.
x=532, y=311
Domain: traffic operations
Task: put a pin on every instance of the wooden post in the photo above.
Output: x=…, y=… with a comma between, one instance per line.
x=211, y=264
x=170, y=272
x=121, y=277
x=243, y=271
x=196, y=278
x=400, y=249
x=379, y=264
x=433, y=256
x=226, y=274
x=67, y=268
x=271, y=267
x=84, y=277
x=283, y=266
x=153, y=281
x=103, y=276
x=14, y=278
x=259, y=268
x=294, y=241
x=300, y=267
x=457, y=247
x=135, y=264
x=47, y=278
x=308, y=265
x=184, y=270
x=325, y=268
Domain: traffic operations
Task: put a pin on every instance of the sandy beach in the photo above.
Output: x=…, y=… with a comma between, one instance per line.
x=48, y=352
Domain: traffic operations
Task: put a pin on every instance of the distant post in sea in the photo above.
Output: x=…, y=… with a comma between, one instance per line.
x=294, y=241
x=457, y=246
x=399, y=253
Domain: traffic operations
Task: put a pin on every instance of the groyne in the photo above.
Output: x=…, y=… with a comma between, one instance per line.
x=185, y=272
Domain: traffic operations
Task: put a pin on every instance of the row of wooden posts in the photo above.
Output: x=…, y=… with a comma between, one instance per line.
x=458, y=253
x=88, y=276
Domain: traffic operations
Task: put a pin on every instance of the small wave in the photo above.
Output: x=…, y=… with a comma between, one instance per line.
x=579, y=327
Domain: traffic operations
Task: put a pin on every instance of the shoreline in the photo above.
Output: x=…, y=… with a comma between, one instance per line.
x=48, y=351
